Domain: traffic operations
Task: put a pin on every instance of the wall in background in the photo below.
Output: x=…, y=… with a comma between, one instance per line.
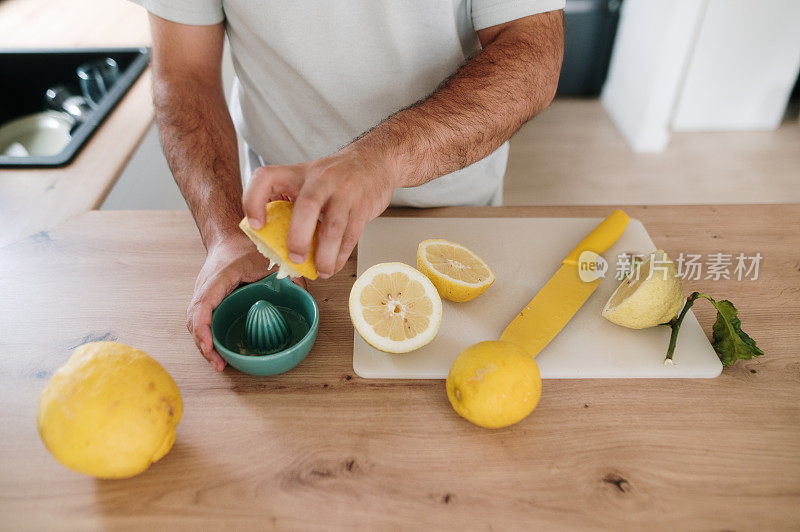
x=743, y=66
x=711, y=65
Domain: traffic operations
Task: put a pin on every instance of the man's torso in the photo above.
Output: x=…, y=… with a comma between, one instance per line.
x=314, y=75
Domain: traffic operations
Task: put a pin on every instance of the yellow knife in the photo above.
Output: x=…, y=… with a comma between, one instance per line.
x=558, y=300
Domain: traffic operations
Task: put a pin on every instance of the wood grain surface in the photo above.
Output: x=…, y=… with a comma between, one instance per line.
x=40, y=198
x=320, y=448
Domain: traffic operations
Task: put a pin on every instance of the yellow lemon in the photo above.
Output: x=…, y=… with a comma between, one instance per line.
x=494, y=384
x=456, y=272
x=395, y=308
x=271, y=241
x=651, y=295
x=110, y=411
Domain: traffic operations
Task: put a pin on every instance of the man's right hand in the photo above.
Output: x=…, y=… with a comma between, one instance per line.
x=229, y=263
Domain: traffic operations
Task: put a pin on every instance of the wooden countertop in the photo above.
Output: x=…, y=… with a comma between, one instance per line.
x=319, y=446
x=35, y=199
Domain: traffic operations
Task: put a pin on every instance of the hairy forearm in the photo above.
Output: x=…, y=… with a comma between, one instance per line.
x=200, y=144
x=471, y=114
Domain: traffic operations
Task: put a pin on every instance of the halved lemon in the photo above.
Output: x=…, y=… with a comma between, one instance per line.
x=456, y=272
x=395, y=308
x=651, y=295
x=271, y=241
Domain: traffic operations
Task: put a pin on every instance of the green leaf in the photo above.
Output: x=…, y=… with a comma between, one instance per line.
x=729, y=340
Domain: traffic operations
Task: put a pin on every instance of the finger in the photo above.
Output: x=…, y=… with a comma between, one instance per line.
x=267, y=182
x=204, y=343
x=211, y=354
x=218, y=363
x=334, y=223
x=216, y=289
x=305, y=216
x=349, y=240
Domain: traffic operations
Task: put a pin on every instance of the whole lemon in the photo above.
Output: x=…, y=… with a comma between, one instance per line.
x=110, y=411
x=494, y=384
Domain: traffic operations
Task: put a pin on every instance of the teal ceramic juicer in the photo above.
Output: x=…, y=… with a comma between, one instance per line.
x=266, y=327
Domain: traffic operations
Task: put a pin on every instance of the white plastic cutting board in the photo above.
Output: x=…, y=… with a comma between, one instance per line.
x=524, y=253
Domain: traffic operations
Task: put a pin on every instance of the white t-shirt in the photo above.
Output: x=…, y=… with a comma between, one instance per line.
x=314, y=74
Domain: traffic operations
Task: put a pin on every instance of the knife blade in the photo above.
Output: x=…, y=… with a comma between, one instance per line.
x=564, y=293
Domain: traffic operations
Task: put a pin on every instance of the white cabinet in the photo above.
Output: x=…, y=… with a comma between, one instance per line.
x=701, y=65
x=743, y=66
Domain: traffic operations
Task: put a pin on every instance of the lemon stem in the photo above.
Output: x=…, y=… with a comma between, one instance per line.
x=675, y=324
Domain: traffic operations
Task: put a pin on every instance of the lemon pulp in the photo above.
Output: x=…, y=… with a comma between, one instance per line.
x=395, y=308
x=456, y=271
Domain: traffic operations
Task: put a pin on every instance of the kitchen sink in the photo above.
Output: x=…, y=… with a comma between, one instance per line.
x=26, y=76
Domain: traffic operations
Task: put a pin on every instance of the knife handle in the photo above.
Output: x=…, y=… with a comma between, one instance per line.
x=602, y=237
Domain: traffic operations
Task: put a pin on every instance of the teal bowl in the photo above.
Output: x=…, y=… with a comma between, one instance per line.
x=228, y=325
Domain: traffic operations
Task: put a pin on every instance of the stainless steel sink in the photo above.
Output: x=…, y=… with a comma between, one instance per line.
x=26, y=75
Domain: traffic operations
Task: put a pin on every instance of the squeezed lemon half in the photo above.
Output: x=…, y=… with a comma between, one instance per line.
x=651, y=295
x=271, y=241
